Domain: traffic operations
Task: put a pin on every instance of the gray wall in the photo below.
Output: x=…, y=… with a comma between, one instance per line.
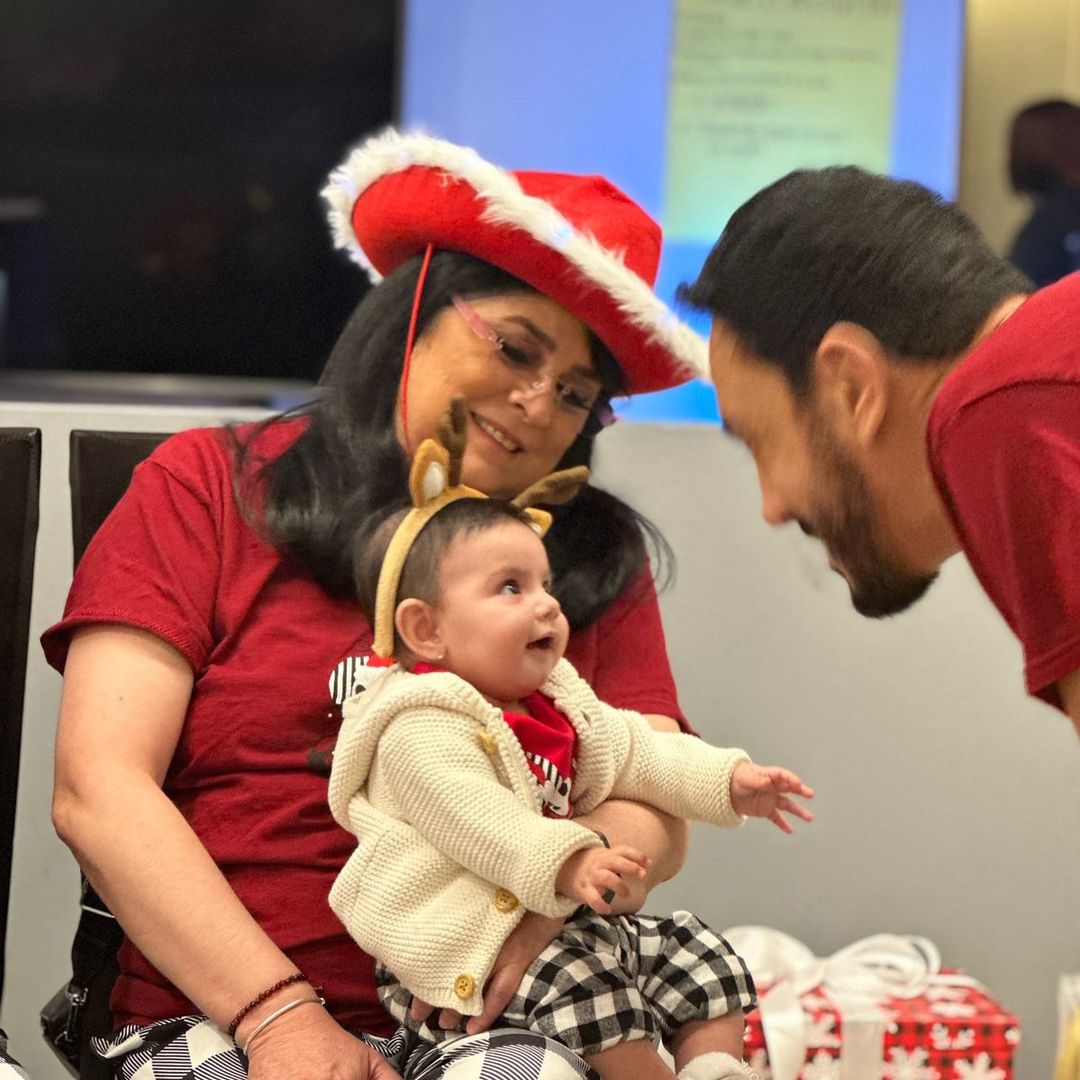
x=947, y=802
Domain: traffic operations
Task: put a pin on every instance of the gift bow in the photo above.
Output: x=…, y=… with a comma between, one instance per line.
x=858, y=978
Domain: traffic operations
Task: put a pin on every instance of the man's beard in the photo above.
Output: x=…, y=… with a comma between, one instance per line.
x=845, y=524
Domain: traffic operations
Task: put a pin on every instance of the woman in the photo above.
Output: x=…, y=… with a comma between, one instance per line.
x=211, y=635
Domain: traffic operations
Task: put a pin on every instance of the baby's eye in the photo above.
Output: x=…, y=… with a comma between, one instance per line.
x=510, y=587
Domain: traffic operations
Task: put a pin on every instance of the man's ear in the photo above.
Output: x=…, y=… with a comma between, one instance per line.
x=851, y=382
x=417, y=624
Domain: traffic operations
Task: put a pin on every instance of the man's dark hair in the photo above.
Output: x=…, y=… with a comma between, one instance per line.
x=420, y=573
x=841, y=244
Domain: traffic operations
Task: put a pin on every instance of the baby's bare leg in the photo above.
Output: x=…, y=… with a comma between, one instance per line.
x=633, y=1060
x=722, y=1037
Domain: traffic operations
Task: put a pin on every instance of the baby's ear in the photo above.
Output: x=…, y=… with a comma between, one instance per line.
x=417, y=625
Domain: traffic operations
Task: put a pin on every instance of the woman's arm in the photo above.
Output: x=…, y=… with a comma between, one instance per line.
x=665, y=839
x=124, y=702
x=627, y=667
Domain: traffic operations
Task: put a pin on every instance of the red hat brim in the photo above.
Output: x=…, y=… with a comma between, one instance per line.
x=578, y=240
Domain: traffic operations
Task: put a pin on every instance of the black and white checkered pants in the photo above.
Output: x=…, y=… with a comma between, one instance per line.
x=193, y=1048
x=10, y=1069
x=610, y=979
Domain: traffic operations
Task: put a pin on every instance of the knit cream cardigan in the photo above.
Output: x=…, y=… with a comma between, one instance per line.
x=453, y=847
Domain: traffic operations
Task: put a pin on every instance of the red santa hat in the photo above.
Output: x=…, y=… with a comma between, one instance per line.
x=577, y=239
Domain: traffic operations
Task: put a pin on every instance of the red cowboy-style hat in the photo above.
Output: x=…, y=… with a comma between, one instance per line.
x=577, y=239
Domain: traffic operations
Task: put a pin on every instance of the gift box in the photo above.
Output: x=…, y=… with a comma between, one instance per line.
x=1068, y=1051
x=882, y=1008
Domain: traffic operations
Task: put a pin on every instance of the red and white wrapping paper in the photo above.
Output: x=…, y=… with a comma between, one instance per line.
x=880, y=1008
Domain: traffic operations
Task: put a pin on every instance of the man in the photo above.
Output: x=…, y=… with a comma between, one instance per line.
x=905, y=399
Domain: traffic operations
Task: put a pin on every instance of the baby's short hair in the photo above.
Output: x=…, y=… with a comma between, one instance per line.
x=420, y=573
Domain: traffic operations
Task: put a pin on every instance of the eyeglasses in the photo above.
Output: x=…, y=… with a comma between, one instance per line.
x=582, y=399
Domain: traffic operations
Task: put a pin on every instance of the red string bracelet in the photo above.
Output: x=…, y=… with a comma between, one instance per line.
x=295, y=977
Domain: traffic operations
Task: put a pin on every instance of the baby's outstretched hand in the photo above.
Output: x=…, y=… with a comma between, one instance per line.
x=765, y=791
x=595, y=876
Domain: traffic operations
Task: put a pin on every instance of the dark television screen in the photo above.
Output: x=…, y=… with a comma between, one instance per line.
x=159, y=177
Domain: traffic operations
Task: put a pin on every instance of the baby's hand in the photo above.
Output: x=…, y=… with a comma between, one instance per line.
x=595, y=876
x=763, y=791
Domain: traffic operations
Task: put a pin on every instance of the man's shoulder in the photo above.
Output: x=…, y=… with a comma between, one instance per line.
x=1038, y=343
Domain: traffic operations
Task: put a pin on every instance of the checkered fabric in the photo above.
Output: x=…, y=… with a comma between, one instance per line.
x=184, y=1048
x=10, y=1069
x=192, y=1048
x=606, y=980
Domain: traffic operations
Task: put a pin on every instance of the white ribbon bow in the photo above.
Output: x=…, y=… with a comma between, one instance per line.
x=859, y=979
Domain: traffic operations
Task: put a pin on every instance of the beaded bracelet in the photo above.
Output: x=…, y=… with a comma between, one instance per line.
x=296, y=976
x=266, y=1021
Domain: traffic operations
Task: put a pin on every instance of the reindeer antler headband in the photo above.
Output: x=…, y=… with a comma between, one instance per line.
x=434, y=483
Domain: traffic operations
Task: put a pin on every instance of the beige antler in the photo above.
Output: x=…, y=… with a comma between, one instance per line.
x=557, y=487
x=435, y=482
x=452, y=431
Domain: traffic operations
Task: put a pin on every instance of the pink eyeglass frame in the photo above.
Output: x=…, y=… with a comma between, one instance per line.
x=599, y=415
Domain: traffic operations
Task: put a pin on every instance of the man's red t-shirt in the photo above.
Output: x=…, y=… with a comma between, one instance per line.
x=274, y=658
x=1004, y=447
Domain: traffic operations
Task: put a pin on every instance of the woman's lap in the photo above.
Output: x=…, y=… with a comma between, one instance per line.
x=10, y=1069
x=501, y=1054
x=192, y=1048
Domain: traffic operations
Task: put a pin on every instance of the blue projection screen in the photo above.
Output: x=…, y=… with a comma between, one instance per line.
x=690, y=105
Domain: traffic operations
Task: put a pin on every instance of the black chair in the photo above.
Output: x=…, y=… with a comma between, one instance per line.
x=101, y=464
x=20, y=473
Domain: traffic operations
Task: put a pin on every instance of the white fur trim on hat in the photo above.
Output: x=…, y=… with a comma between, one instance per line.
x=507, y=204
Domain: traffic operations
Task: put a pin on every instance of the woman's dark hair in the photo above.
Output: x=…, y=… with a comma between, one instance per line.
x=347, y=466
x=844, y=245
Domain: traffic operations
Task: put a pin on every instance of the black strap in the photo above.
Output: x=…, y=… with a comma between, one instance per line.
x=97, y=938
x=93, y=970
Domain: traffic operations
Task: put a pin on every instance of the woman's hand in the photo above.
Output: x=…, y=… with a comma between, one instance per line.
x=663, y=838
x=526, y=942
x=529, y=939
x=308, y=1044
x=763, y=791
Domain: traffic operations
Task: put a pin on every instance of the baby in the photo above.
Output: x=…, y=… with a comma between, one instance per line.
x=461, y=770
